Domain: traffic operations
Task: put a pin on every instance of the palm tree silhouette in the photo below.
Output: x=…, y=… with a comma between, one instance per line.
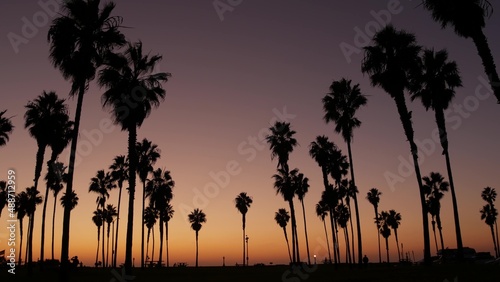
x=55, y=178
x=6, y=128
x=282, y=217
x=32, y=201
x=385, y=230
x=109, y=216
x=167, y=216
x=79, y=38
x=70, y=200
x=436, y=89
x=98, y=220
x=322, y=211
x=21, y=211
x=301, y=188
x=150, y=218
x=489, y=215
x=489, y=195
x=393, y=221
x=281, y=143
x=242, y=203
x=43, y=117
x=126, y=75
x=351, y=190
x=147, y=155
x=468, y=20
x=343, y=214
x=119, y=174
x=390, y=62
x=340, y=106
x=197, y=218
x=373, y=196
x=434, y=186
x=159, y=192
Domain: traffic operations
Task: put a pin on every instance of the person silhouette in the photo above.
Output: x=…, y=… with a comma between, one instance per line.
x=365, y=261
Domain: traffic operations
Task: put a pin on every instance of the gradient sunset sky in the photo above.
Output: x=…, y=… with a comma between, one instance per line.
x=232, y=77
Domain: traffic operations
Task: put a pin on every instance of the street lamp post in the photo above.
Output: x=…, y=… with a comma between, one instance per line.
x=314, y=259
x=246, y=239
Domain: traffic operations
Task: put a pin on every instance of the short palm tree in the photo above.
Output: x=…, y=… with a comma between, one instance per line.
x=32, y=201
x=282, y=217
x=340, y=106
x=373, y=196
x=150, y=218
x=55, y=177
x=109, y=217
x=489, y=215
x=197, y=218
x=436, y=85
x=168, y=214
x=242, y=203
x=434, y=188
x=489, y=195
x=125, y=76
x=98, y=220
x=147, y=155
x=301, y=184
x=119, y=174
x=393, y=221
x=391, y=63
x=79, y=37
x=21, y=211
x=322, y=210
x=6, y=128
x=343, y=214
x=385, y=230
x=468, y=18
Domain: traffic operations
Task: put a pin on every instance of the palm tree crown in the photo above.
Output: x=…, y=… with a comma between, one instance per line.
x=6, y=128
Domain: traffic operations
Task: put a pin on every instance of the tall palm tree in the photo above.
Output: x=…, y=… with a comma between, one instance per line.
x=98, y=220
x=3, y=195
x=468, y=20
x=391, y=62
x=281, y=142
x=434, y=186
x=55, y=178
x=150, y=218
x=373, y=196
x=109, y=216
x=385, y=230
x=393, y=221
x=32, y=201
x=21, y=211
x=159, y=192
x=436, y=89
x=147, y=154
x=301, y=188
x=43, y=117
x=167, y=216
x=79, y=38
x=197, y=218
x=322, y=212
x=282, y=217
x=242, y=204
x=489, y=195
x=119, y=174
x=125, y=76
x=6, y=128
x=489, y=215
x=340, y=106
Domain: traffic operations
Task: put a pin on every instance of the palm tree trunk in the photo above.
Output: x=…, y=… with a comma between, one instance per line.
x=102, y=247
x=30, y=243
x=484, y=52
x=132, y=138
x=166, y=235
x=337, y=244
x=378, y=234
x=405, y=117
x=107, y=246
x=434, y=231
x=53, y=224
x=21, y=241
x=98, y=243
x=494, y=241
x=153, y=250
x=27, y=246
x=69, y=187
x=334, y=240
x=161, y=240
x=196, y=248
x=387, y=249
x=305, y=230
x=355, y=198
x=347, y=246
x=288, y=244
x=438, y=222
x=243, y=222
x=498, y=245
x=292, y=214
x=440, y=120
x=327, y=243
x=112, y=243
x=44, y=213
x=142, y=221
x=397, y=243
x=352, y=230
x=147, y=244
x=117, y=224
